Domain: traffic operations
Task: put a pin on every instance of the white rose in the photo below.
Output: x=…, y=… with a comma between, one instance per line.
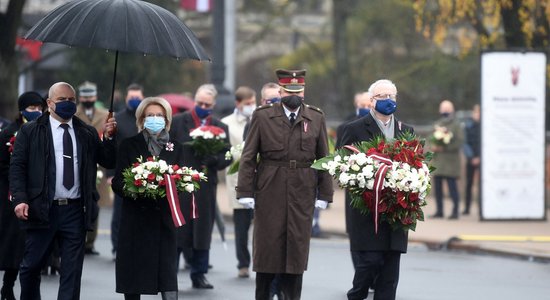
x=189, y=188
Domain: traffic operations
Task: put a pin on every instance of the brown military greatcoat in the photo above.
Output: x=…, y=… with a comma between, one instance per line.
x=283, y=185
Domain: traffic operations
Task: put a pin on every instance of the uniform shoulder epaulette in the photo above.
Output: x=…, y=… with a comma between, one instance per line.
x=264, y=106
x=317, y=109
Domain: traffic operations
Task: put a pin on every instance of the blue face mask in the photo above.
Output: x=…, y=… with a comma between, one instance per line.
x=386, y=106
x=133, y=103
x=65, y=109
x=154, y=124
x=361, y=112
x=31, y=115
x=273, y=100
x=445, y=114
x=202, y=113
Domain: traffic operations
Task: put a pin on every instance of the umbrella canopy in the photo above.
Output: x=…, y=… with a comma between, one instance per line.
x=178, y=102
x=118, y=25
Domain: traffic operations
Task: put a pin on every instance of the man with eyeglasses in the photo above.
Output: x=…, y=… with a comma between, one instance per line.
x=53, y=183
x=197, y=233
x=276, y=180
x=376, y=256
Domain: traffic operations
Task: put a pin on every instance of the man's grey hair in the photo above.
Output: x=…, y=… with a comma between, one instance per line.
x=209, y=89
x=380, y=81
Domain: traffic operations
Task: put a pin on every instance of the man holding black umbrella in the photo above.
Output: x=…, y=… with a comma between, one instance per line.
x=59, y=199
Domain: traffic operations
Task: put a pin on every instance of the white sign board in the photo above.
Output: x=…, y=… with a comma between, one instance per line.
x=513, y=135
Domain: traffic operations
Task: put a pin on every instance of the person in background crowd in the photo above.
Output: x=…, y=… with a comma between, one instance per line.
x=472, y=151
x=269, y=94
x=197, y=233
x=376, y=256
x=96, y=117
x=126, y=120
x=12, y=237
x=59, y=199
x=245, y=104
x=275, y=178
x=151, y=267
x=3, y=123
x=446, y=159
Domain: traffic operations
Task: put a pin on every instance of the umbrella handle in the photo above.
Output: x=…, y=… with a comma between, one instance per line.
x=110, y=115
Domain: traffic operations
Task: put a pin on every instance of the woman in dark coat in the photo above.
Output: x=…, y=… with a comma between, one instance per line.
x=12, y=238
x=146, y=252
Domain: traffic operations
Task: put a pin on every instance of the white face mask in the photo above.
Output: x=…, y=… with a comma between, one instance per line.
x=248, y=110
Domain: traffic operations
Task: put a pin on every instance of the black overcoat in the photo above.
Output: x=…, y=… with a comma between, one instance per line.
x=30, y=169
x=199, y=234
x=146, y=253
x=361, y=227
x=12, y=237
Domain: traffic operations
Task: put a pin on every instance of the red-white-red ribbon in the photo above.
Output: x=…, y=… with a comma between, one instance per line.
x=173, y=201
x=194, y=211
x=378, y=180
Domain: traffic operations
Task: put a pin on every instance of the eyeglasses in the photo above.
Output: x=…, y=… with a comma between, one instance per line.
x=203, y=104
x=155, y=115
x=384, y=96
x=63, y=99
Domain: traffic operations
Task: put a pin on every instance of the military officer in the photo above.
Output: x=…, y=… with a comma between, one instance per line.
x=287, y=137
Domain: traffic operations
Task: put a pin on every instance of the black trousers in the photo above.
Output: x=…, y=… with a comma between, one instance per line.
x=242, y=218
x=115, y=221
x=382, y=266
x=290, y=285
x=67, y=225
x=471, y=171
x=453, y=191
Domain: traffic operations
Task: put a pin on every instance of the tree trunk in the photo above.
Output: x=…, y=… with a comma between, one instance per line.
x=341, y=11
x=9, y=23
x=513, y=35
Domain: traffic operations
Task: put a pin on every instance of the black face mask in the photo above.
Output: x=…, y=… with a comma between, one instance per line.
x=88, y=104
x=292, y=101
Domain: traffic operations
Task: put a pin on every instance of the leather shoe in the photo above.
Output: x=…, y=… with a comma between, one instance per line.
x=200, y=282
x=91, y=251
x=436, y=216
x=243, y=273
x=453, y=217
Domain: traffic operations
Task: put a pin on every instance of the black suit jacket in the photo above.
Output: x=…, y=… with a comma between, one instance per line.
x=361, y=227
x=199, y=234
x=31, y=168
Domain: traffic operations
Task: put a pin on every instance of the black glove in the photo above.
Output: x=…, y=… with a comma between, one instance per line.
x=210, y=161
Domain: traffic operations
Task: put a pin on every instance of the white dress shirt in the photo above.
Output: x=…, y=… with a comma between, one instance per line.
x=57, y=135
x=288, y=112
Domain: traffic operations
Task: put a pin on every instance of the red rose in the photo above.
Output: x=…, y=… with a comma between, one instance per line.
x=407, y=221
x=413, y=197
x=151, y=177
x=136, y=164
x=196, y=177
x=176, y=176
x=162, y=182
x=175, y=167
x=150, y=158
x=137, y=182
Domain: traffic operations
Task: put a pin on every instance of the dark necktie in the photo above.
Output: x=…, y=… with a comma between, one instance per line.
x=68, y=164
x=292, y=118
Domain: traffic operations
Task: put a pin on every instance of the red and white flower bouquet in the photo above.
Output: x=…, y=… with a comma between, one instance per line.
x=147, y=178
x=11, y=143
x=207, y=140
x=388, y=179
x=155, y=179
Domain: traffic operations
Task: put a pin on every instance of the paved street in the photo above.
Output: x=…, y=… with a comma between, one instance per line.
x=425, y=274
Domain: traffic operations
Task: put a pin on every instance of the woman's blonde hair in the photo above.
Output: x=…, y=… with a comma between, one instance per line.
x=140, y=111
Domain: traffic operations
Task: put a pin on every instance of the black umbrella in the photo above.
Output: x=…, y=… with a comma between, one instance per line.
x=118, y=25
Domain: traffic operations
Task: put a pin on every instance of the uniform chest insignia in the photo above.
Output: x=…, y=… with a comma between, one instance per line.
x=305, y=126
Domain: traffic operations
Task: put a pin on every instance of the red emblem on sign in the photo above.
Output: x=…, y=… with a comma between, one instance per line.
x=515, y=75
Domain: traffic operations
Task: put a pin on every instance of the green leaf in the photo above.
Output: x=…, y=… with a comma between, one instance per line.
x=317, y=164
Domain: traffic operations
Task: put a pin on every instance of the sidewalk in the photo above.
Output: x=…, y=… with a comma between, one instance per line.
x=523, y=239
